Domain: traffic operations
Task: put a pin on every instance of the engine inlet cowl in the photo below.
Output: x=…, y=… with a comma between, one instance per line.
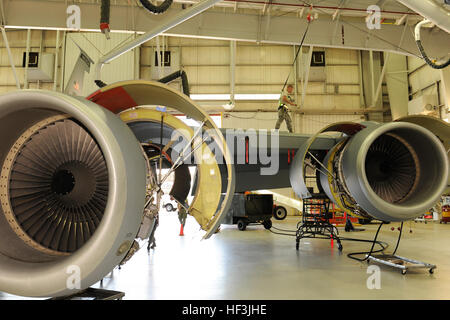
x=395, y=171
x=54, y=186
x=72, y=190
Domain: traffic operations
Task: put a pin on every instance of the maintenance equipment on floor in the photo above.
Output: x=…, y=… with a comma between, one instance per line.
x=393, y=260
x=315, y=221
x=249, y=209
x=445, y=210
x=404, y=264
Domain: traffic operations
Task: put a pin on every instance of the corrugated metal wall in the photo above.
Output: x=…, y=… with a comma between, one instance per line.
x=259, y=69
x=262, y=69
x=422, y=78
x=45, y=40
x=94, y=44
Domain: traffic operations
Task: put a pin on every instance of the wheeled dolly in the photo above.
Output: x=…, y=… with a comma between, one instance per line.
x=401, y=263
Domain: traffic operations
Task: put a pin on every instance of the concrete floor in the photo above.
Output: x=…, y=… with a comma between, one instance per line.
x=257, y=264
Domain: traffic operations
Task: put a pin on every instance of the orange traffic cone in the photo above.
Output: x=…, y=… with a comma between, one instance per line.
x=181, y=231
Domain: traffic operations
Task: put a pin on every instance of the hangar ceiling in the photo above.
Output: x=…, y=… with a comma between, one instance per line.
x=339, y=23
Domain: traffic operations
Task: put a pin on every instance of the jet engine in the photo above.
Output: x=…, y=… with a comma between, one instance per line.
x=77, y=186
x=390, y=172
x=72, y=191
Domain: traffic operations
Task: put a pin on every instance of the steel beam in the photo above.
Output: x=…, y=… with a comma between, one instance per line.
x=308, y=68
x=11, y=59
x=372, y=78
x=55, y=75
x=226, y=25
x=397, y=85
x=431, y=11
x=445, y=79
x=27, y=59
x=232, y=70
x=3, y=16
x=166, y=24
x=378, y=95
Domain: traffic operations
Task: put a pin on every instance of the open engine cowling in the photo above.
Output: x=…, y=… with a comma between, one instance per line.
x=396, y=171
x=72, y=191
x=391, y=172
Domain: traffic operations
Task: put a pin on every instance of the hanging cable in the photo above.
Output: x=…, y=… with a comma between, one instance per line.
x=286, y=230
x=296, y=55
x=383, y=245
x=178, y=74
x=422, y=50
x=282, y=234
x=368, y=254
x=104, y=17
x=398, y=240
x=156, y=9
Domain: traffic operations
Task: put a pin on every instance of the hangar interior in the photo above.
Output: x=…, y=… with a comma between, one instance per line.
x=237, y=57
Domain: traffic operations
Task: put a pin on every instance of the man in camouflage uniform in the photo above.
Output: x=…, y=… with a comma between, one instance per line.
x=283, y=110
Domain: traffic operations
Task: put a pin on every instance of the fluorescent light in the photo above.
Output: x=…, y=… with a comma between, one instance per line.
x=210, y=97
x=193, y=123
x=226, y=97
x=257, y=96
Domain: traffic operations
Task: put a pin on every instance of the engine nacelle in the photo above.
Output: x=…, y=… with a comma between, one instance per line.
x=72, y=190
x=391, y=172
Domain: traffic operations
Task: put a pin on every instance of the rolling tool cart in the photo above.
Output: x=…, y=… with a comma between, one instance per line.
x=315, y=221
x=445, y=210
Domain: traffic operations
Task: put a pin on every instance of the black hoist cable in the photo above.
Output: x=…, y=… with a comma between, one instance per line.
x=296, y=55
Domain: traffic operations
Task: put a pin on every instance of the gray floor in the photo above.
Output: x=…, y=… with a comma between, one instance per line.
x=257, y=264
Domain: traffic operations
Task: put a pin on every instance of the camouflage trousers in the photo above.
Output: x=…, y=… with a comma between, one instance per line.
x=283, y=114
x=182, y=215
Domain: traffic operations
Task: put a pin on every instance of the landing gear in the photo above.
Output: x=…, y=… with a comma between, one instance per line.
x=279, y=213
